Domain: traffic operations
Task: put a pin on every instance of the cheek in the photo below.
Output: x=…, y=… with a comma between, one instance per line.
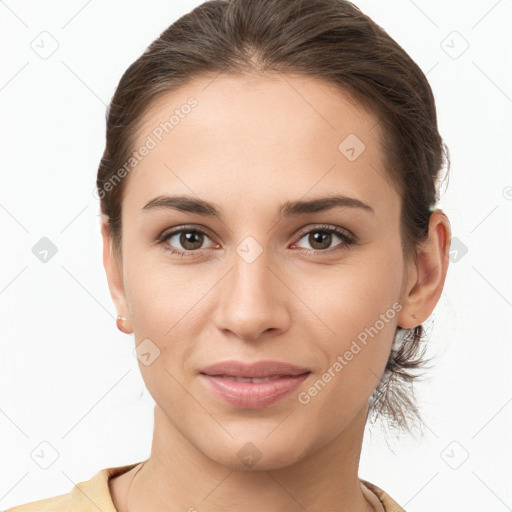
x=358, y=307
x=161, y=301
x=347, y=298
x=167, y=307
x=363, y=319
x=162, y=294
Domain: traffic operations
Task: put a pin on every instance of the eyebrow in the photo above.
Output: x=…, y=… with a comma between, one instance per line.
x=287, y=209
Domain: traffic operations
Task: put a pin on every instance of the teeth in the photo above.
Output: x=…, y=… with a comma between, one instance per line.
x=249, y=379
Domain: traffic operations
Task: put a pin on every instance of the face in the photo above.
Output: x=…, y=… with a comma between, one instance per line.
x=267, y=278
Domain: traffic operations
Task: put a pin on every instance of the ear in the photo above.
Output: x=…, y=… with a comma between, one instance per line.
x=114, y=271
x=426, y=277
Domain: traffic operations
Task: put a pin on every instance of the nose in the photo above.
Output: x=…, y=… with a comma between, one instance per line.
x=252, y=300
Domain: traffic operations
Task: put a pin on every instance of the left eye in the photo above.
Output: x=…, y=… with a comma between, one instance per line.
x=321, y=238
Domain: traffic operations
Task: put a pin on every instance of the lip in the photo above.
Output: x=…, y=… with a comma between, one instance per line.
x=252, y=395
x=285, y=377
x=258, y=369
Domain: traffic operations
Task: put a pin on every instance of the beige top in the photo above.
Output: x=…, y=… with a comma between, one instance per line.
x=94, y=494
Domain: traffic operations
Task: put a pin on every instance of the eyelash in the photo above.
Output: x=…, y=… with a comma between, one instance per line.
x=348, y=239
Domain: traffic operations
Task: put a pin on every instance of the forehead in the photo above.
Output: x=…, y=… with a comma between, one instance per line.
x=262, y=137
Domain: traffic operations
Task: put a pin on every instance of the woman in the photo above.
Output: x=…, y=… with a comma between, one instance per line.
x=271, y=239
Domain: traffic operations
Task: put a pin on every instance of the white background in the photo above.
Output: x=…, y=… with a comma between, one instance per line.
x=68, y=376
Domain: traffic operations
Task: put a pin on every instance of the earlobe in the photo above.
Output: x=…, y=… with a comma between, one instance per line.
x=423, y=291
x=114, y=274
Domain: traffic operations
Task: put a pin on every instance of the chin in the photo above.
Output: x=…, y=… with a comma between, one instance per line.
x=258, y=454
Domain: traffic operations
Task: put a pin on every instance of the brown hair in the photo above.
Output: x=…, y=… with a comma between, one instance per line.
x=331, y=40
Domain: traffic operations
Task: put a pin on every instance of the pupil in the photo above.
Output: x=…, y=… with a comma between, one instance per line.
x=187, y=239
x=318, y=236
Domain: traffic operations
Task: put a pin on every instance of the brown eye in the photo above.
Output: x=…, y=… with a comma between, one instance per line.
x=184, y=240
x=320, y=240
x=191, y=240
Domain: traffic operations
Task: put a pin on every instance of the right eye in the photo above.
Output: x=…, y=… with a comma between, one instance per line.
x=190, y=239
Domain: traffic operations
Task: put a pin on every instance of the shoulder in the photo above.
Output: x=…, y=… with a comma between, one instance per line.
x=390, y=505
x=61, y=503
x=87, y=496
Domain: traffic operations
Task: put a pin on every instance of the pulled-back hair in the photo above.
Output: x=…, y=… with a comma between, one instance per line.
x=333, y=41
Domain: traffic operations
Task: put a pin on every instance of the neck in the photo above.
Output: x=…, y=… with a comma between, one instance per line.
x=177, y=476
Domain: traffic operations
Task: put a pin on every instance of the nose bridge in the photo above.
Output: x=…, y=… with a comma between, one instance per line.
x=251, y=275
x=251, y=302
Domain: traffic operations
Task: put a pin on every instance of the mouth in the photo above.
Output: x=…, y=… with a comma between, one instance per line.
x=249, y=379
x=263, y=370
x=253, y=386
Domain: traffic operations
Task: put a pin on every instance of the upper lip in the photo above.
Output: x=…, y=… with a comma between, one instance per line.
x=258, y=369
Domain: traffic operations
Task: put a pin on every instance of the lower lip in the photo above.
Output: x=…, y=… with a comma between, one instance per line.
x=253, y=395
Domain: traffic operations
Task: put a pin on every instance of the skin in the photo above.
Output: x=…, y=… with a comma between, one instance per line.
x=250, y=145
